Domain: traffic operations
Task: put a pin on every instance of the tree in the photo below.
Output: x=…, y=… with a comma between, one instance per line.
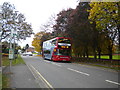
x=105, y=15
x=79, y=29
x=39, y=38
x=48, y=27
x=13, y=21
x=37, y=41
x=12, y=24
x=62, y=22
x=46, y=36
x=74, y=23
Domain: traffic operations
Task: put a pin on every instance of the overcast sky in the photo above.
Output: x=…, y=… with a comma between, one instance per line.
x=38, y=12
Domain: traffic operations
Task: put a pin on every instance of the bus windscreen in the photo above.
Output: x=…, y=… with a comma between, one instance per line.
x=64, y=52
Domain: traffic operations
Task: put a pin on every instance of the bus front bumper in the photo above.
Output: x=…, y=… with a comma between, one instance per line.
x=61, y=59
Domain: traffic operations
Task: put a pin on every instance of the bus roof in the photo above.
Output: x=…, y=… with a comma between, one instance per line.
x=59, y=38
x=56, y=38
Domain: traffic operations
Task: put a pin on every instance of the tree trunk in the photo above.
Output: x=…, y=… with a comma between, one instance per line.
x=95, y=55
x=99, y=52
x=84, y=54
x=110, y=52
x=87, y=52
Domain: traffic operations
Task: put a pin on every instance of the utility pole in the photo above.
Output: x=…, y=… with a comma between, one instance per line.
x=0, y=39
x=0, y=45
x=11, y=50
x=0, y=51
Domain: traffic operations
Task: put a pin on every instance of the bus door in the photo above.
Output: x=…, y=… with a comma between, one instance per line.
x=47, y=54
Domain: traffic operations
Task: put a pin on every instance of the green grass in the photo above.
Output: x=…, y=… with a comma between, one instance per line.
x=107, y=57
x=35, y=53
x=19, y=60
x=6, y=62
x=116, y=56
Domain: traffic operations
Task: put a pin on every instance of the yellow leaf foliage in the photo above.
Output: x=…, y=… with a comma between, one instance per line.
x=104, y=13
x=37, y=41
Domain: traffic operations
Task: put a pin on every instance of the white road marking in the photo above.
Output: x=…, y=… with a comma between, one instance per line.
x=42, y=78
x=78, y=72
x=46, y=61
x=112, y=82
x=56, y=64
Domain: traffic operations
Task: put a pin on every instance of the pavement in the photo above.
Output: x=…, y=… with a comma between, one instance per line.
x=20, y=77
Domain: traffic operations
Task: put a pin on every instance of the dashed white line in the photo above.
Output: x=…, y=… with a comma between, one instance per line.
x=78, y=72
x=112, y=82
x=46, y=61
x=56, y=64
x=52, y=63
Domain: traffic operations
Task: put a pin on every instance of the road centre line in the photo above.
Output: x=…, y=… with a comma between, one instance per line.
x=53, y=63
x=56, y=64
x=112, y=82
x=46, y=61
x=78, y=72
x=43, y=78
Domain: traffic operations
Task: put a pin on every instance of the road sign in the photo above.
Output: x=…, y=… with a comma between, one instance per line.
x=11, y=54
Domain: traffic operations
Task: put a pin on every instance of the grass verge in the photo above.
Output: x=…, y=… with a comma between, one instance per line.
x=5, y=62
x=117, y=68
x=19, y=60
x=5, y=81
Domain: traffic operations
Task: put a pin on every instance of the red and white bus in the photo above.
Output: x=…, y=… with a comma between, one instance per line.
x=57, y=49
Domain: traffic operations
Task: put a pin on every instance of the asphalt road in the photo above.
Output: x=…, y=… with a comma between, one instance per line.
x=70, y=75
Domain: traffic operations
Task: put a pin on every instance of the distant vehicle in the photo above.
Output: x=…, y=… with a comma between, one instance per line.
x=57, y=49
x=27, y=53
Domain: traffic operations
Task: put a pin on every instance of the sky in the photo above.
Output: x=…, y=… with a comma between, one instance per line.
x=38, y=12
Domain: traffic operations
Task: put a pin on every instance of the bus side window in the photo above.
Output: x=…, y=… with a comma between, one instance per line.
x=47, y=52
x=54, y=42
